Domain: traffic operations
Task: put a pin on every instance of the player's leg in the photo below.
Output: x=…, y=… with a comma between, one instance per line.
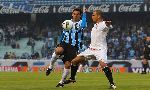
x=108, y=74
x=74, y=67
x=73, y=72
x=101, y=55
x=79, y=59
x=75, y=63
x=67, y=65
x=55, y=56
x=86, y=66
x=145, y=65
x=52, y=61
x=79, y=68
x=71, y=55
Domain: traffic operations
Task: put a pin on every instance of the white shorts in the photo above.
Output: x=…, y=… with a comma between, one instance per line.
x=100, y=54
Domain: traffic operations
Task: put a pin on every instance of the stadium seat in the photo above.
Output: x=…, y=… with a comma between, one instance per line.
x=68, y=2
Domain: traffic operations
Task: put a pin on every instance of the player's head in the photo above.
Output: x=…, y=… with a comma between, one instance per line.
x=76, y=14
x=97, y=16
x=148, y=39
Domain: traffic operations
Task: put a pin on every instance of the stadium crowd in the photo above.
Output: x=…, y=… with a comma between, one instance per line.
x=127, y=42
x=11, y=33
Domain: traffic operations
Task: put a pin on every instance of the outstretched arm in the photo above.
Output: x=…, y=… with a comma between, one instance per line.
x=84, y=23
x=108, y=24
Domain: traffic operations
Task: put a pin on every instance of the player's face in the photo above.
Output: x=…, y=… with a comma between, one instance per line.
x=148, y=39
x=76, y=16
x=95, y=17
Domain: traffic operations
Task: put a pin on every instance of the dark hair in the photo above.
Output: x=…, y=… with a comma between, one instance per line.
x=78, y=9
x=99, y=12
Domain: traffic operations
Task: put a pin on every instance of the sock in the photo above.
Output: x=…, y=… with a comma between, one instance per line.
x=73, y=71
x=86, y=69
x=79, y=68
x=52, y=61
x=64, y=75
x=145, y=66
x=108, y=74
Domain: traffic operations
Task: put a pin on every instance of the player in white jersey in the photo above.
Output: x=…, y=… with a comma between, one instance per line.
x=98, y=46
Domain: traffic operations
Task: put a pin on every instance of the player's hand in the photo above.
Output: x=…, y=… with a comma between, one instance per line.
x=85, y=10
x=108, y=23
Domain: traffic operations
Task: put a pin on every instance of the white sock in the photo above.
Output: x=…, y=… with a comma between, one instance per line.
x=86, y=69
x=53, y=60
x=80, y=67
x=64, y=75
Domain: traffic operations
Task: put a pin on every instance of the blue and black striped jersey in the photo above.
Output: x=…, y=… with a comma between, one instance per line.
x=75, y=35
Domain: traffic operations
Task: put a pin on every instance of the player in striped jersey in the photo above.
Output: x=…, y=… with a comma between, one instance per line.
x=70, y=43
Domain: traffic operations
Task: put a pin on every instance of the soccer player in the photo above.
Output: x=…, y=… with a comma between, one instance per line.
x=98, y=46
x=146, y=55
x=70, y=43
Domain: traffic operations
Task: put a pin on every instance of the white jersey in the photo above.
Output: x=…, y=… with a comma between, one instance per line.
x=98, y=36
x=98, y=46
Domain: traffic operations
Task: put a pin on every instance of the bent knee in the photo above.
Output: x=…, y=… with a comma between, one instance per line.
x=102, y=64
x=67, y=65
x=77, y=60
x=59, y=50
x=74, y=62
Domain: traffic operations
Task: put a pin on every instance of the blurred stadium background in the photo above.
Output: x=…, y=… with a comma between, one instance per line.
x=30, y=30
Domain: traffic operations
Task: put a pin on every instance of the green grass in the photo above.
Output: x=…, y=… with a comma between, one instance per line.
x=89, y=81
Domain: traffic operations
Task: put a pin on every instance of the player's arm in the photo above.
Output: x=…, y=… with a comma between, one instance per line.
x=62, y=36
x=106, y=26
x=84, y=23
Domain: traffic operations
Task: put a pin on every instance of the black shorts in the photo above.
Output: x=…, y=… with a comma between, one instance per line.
x=70, y=52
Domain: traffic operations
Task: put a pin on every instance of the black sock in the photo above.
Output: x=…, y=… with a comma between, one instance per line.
x=73, y=71
x=145, y=66
x=108, y=74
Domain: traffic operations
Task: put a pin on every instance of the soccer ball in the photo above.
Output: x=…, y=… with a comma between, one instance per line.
x=67, y=25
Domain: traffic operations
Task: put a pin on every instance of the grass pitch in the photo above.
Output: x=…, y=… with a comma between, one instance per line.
x=85, y=81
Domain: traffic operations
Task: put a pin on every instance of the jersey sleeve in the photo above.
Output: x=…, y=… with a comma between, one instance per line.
x=84, y=23
x=62, y=36
x=104, y=27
